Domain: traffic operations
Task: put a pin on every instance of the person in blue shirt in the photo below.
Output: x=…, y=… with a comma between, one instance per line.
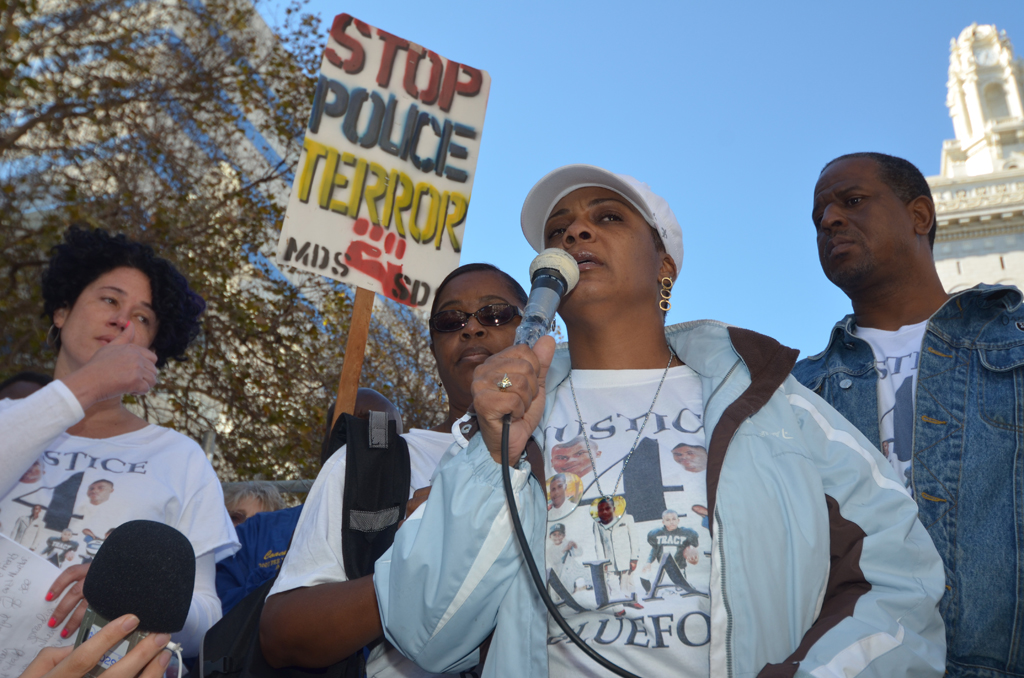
x=264, y=538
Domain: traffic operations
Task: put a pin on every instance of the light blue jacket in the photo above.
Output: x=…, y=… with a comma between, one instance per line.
x=820, y=566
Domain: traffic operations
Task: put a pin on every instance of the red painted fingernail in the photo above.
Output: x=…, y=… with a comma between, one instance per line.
x=52, y=622
x=49, y=596
x=64, y=633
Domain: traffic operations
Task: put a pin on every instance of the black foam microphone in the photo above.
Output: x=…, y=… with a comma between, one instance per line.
x=144, y=568
x=553, y=274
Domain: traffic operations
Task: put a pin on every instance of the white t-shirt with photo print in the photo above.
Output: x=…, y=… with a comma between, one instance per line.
x=897, y=356
x=637, y=586
x=150, y=474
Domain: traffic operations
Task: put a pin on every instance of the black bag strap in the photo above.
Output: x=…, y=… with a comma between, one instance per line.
x=377, y=480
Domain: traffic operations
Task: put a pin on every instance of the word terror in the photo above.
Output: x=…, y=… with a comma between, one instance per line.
x=387, y=195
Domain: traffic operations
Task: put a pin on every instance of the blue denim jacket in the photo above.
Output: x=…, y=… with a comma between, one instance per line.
x=968, y=461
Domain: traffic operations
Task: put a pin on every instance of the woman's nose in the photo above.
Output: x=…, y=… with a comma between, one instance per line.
x=473, y=328
x=120, y=319
x=578, y=230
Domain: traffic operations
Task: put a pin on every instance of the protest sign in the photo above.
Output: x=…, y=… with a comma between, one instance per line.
x=383, y=184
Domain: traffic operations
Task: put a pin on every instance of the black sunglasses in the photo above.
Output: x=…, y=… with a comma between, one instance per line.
x=491, y=315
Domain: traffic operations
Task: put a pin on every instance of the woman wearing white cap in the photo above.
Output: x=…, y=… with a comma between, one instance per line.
x=809, y=559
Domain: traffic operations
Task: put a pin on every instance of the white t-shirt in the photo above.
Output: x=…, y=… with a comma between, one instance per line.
x=897, y=356
x=85, y=487
x=315, y=556
x=639, y=584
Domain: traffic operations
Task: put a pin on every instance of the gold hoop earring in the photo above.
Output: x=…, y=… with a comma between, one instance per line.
x=666, y=294
x=52, y=336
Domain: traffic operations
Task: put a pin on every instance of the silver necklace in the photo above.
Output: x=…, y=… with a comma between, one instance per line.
x=610, y=498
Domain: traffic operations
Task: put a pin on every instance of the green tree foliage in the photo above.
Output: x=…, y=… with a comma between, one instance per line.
x=179, y=123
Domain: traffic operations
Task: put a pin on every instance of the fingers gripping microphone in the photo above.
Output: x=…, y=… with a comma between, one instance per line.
x=144, y=568
x=553, y=274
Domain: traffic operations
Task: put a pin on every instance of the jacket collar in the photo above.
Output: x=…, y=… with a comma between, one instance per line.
x=704, y=345
x=711, y=348
x=985, y=295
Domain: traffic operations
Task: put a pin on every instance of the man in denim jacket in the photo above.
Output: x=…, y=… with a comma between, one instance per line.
x=936, y=382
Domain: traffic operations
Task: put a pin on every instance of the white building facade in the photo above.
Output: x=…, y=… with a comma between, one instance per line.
x=979, y=196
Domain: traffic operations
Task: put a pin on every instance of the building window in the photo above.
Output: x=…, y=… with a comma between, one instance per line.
x=995, y=101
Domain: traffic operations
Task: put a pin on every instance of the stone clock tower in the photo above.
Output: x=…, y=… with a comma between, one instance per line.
x=979, y=197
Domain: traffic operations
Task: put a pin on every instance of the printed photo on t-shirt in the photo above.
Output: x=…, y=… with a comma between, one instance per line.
x=66, y=522
x=628, y=563
x=564, y=493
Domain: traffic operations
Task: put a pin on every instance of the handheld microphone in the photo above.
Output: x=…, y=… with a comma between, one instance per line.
x=144, y=568
x=553, y=274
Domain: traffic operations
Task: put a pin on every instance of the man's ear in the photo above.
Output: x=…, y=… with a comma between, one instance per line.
x=922, y=211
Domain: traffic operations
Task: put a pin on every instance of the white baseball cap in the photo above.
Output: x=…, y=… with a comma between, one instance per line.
x=546, y=193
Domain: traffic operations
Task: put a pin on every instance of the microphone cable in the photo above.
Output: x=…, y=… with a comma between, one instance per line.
x=542, y=588
x=175, y=649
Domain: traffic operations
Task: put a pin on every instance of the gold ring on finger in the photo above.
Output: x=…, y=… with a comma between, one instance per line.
x=505, y=383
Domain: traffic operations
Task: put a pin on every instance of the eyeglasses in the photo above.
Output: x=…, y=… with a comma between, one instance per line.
x=491, y=315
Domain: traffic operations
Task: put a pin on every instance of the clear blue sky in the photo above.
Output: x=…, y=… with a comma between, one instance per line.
x=728, y=110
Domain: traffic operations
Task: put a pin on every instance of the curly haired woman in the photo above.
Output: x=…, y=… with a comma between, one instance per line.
x=72, y=449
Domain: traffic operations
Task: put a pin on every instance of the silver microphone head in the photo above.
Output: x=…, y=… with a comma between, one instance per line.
x=560, y=261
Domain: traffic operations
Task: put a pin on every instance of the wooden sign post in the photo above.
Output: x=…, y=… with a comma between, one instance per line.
x=383, y=184
x=355, y=349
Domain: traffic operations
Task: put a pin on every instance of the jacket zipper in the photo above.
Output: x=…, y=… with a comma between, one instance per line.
x=720, y=541
x=721, y=384
x=725, y=597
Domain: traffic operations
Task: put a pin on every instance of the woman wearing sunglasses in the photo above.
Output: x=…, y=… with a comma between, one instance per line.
x=315, y=616
x=813, y=561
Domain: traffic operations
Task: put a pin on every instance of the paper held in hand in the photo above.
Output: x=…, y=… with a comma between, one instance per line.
x=382, y=187
x=24, y=580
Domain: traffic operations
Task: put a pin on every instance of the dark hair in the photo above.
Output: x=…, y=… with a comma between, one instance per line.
x=27, y=377
x=86, y=254
x=516, y=288
x=901, y=176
